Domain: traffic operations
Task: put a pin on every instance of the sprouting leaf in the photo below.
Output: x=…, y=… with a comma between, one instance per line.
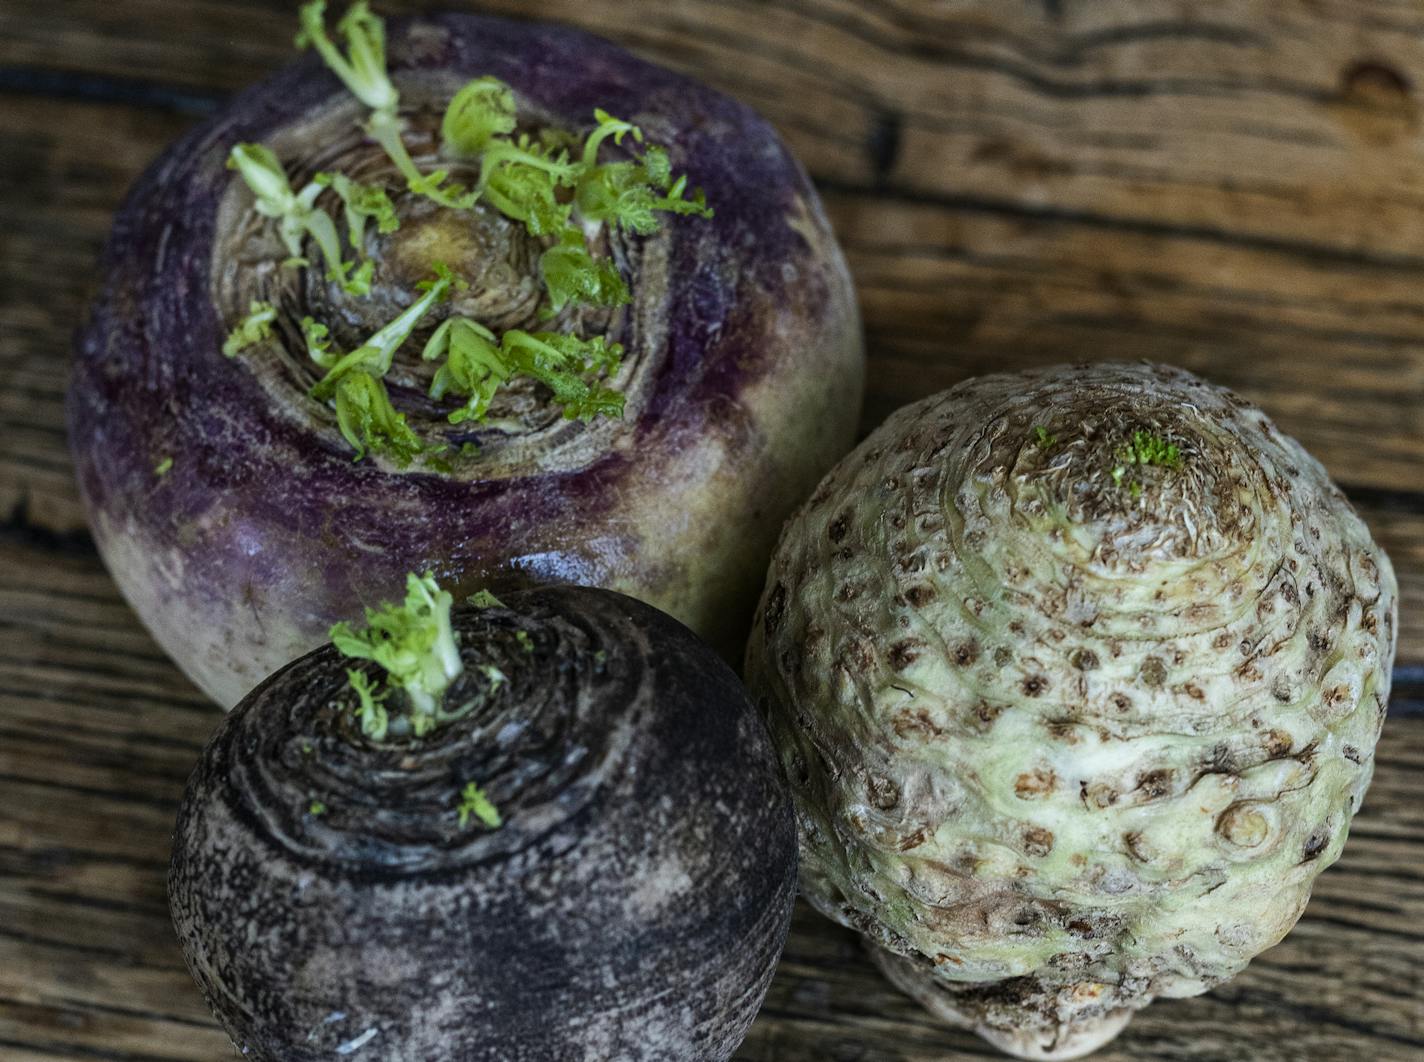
x=474, y=802
x=525, y=642
x=375, y=720
x=376, y=354
x=561, y=363
x=608, y=126
x=413, y=642
x=316, y=809
x=254, y=328
x=484, y=108
x=573, y=275
x=368, y=421
x=163, y=467
x=1147, y=448
x=318, y=340
x=484, y=599
x=473, y=368
x=361, y=201
x=296, y=214
x=363, y=68
x=629, y=194
x=1042, y=437
x=521, y=180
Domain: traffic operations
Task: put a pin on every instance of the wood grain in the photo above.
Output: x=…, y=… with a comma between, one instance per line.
x=1232, y=186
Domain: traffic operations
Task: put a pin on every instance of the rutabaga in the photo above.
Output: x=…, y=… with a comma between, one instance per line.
x=626, y=391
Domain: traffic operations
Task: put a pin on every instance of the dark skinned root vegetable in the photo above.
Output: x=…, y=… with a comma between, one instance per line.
x=225, y=501
x=1077, y=677
x=632, y=905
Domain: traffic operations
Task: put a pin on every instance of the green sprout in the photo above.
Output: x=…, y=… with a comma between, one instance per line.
x=494, y=676
x=361, y=201
x=163, y=467
x=522, y=178
x=376, y=354
x=525, y=642
x=415, y=645
x=375, y=719
x=484, y=599
x=363, y=71
x=475, y=368
x=1147, y=448
x=562, y=363
x=353, y=382
x=474, y=802
x=540, y=184
x=316, y=808
x=483, y=109
x=1041, y=436
x=572, y=274
x=296, y=214
x=256, y=327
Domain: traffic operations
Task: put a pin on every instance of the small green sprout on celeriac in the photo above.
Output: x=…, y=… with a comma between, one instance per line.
x=296, y=214
x=1147, y=448
x=1042, y=437
x=363, y=71
x=256, y=327
x=163, y=467
x=484, y=599
x=525, y=642
x=415, y=645
x=316, y=809
x=1144, y=449
x=474, y=802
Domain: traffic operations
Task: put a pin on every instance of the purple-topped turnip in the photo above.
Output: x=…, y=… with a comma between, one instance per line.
x=427, y=303
x=537, y=831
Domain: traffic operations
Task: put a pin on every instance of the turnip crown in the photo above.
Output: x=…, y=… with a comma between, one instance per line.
x=414, y=644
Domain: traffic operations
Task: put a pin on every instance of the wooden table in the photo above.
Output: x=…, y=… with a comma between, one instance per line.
x=1237, y=187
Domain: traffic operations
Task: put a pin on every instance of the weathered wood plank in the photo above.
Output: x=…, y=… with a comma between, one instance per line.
x=1251, y=119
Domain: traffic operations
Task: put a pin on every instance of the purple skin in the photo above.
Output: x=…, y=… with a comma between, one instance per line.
x=264, y=532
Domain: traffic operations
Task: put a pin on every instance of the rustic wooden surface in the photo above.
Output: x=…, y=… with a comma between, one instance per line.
x=1237, y=187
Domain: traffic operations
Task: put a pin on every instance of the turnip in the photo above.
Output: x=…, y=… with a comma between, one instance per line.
x=645, y=352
